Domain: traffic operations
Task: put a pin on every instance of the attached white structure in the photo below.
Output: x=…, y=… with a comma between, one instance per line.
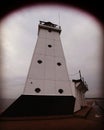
x=79, y=89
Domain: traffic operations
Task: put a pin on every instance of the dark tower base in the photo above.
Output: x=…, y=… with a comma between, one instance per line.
x=28, y=105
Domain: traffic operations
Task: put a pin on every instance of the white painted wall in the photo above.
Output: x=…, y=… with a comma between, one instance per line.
x=79, y=96
x=48, y=76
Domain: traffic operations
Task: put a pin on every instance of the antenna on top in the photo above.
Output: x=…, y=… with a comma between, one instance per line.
x=59, y=18
x=80, y=74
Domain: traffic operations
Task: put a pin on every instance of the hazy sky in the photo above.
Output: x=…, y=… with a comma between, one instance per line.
x=81, y=38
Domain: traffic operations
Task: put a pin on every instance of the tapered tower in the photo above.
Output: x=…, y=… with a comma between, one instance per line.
x=47, y=90
x=48, y=73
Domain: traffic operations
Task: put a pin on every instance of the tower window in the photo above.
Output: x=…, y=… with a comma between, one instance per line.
x=59, y=64
x=49, y=46
x=37, y=90
x=60, y=91
x=39, y=61
x=31, y=82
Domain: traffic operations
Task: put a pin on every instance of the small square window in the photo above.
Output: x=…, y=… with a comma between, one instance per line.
x=39, y=61
x=59, y=64
x=49, y=46
x=60, y=91
x=37, y=90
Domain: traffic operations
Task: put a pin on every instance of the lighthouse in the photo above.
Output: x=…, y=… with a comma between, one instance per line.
x=48, y=73
x=48, y=89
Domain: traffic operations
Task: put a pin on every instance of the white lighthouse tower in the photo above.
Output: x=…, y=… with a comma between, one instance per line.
x=48, y=90
x=48, y=73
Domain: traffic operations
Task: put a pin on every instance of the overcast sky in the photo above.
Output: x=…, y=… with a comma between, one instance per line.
x=81, y=38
